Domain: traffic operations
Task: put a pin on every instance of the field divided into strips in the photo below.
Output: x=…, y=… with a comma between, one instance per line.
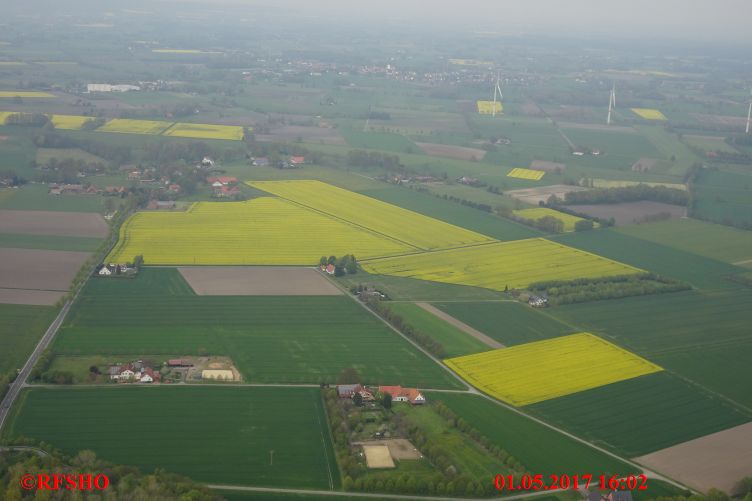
x=500, y=265
x=508, y=322
x=528, y=174
x=213, y=435
x=649, y=114
x=641, y=415
x=488, y=107
x=205, y=131
x=128, y=126
x=24, y=94
x=403, y=225
x=539, y=212
x=271, y=339
x=69, y=122
x=264, y=230
x=538, y=371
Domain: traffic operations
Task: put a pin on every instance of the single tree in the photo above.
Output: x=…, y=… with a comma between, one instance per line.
x=348, y=376
x=386, y=401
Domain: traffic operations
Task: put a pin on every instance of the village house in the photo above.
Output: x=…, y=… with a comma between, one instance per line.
x=329, y=268
x=261, y=162
x=108, y=270
x=217, y=182
x=400, y=394
x=350, y=390
x=179, y=362
x=160, y=205
x=226, y=191
x=537, y=301
x=207, y=162
x=134, y=372
x=297, y=160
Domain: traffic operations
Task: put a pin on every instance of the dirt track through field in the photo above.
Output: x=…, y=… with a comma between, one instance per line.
x=257, y=281
x=483, y=338
x=716, y=460
x=38, y=222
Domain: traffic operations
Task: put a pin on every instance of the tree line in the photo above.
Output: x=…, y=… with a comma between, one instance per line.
x=425, y=340
x=596, y=289
x=634, y=193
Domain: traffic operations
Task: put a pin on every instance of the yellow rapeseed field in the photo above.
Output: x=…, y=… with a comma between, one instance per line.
x=128, y=126
x=70, y=122
x=533, y=372
x=417, y=230
x=23, y=94
x=500, y=265
x=206, y=131
x=539, y=212
x=649, y=114
x=4, y=115
x=529, y=174
x=264, y=231
x=487, y=107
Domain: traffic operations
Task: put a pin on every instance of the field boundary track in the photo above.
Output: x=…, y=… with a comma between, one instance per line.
x=483, y=338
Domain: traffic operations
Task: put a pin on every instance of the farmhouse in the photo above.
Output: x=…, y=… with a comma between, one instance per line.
x=179, y=362
x=226, y=191
x=347, y=390
x=400, y=394
x=297, y=160
x=261, y=161
x=108, y=270
x=160, y=204
x=207, y=162
x=134, y=372
x=101, y=87
x=329, y=269
x=220, y=181
x=537, y=301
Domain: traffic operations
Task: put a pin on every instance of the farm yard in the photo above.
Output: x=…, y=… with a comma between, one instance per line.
x=272, y=339
x=245, y=424
x=500, y=266
x=542, y=370
x=264, y=231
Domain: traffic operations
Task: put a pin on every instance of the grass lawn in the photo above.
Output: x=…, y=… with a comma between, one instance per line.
x=49, y=242
x=35, y=197
x=271, y=339
x=212, y=434
x=20, y=330
x=509, y=323
x=641, y=415
x=454, y=341
x=539, y=448
x=703, y=336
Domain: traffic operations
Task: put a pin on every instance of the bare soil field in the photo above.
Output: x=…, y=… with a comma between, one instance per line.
x=292, y=133
x=257, y=281
x=26, y=296
x=720, y=120
x=399, y=448
x=716, y=460
x=377, y=456
x=535, y=195
x=449, y=151
x=630, y=212
x=547, y=166
x=644, y=164
x=37, y=222
x=461, y=325
x=39, y=269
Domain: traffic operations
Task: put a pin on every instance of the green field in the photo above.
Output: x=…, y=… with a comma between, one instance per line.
x=619, y=150
x=49, y=242
x=412, y=289
x=723, y=197
x=682, y=265
x=35, y=197
x=539, y=448
x=20, y=330
x=641, y=415
x=454, y=213
x=454, y=341
x=212, y=434
x=714, y=241
x=271, y=339
x=384, y=141
x=703, y=336
x=509, y=323
x=44, y=155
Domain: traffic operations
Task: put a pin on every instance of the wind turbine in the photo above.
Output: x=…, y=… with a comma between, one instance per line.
x=497, y=90
x=611, y=104
x=749, y=111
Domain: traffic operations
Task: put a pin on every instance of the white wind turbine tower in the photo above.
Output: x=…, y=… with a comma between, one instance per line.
x=611, y=104
x=749, y=111
x=497, y=90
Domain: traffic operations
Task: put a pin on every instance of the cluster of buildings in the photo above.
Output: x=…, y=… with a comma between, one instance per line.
x=224, y=186
x=367, y=394
x=80, y=189
x=134, y=372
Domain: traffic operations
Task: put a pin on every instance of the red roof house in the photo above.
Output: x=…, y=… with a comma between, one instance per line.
x=222, y=180
x=400, y=394
x=297, y=160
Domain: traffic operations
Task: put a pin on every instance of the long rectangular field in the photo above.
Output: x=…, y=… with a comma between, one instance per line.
x=271, y=339
x=539, y=212
x=542, y=370
x=643, y=414
x=406, y=226
x=264, y=230
x=212, y=434
x=205, y=131
x=501, y=265
x=129, y=126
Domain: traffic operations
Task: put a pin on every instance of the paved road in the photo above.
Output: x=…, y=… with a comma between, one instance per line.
x=20, y=382
x=21, y=448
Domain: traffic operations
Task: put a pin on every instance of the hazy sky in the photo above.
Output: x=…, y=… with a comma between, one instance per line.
x=700, y=20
